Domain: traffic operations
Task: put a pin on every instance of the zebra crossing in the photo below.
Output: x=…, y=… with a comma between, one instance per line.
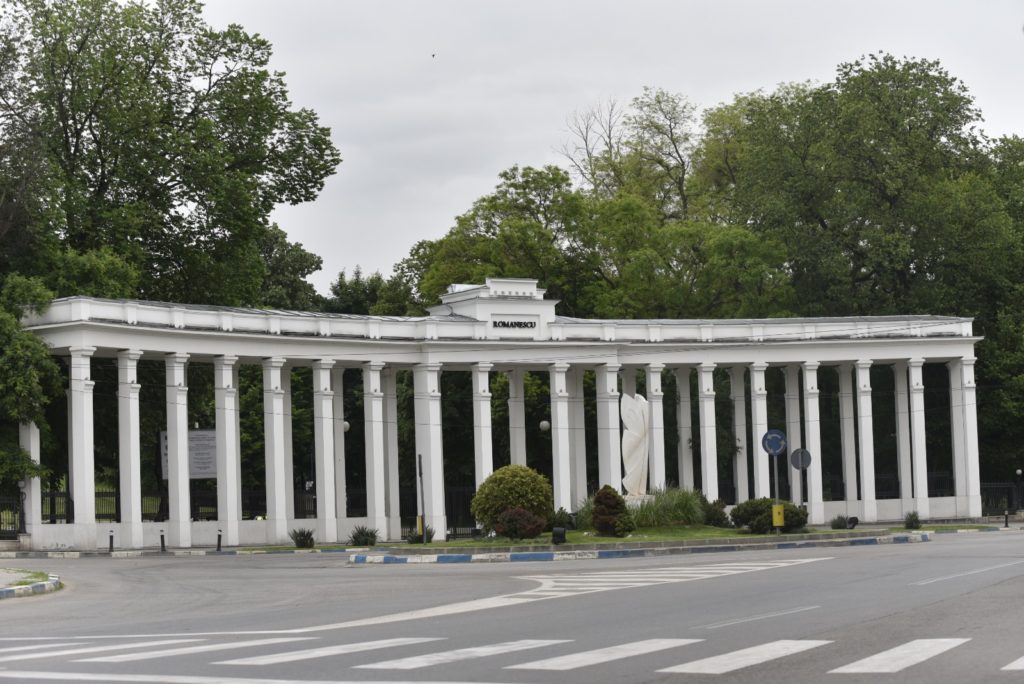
x=434, y=652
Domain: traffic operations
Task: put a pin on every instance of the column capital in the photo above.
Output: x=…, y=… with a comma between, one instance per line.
x=706, y=366
x=863, y=364
x=810, y=366
x=656, y=367
x=559, y=367
x=915, y=362
x=430, y=367
x=759, y=366
x=376, y=366
x=129, y=355
x=176, y=358
x=483, y=366
x=611, y=367
x=323, y=364
x=81, y=351
x=274, y=362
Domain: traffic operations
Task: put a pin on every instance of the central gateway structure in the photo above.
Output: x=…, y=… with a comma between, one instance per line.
x=507, y=326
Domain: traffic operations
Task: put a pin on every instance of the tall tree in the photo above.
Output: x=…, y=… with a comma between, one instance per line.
x=160, y=138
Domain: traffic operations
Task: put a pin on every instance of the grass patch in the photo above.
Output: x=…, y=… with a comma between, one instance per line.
x=30, y=577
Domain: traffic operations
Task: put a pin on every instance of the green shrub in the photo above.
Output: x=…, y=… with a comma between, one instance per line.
x=562, y=518
x=611, y=517
x=585, y=514
x=514, y=486
x=519, y=523
x=363, y=536
x=912, y=521
x=840, y=522
x=669, y=507
x=714, y=512
x=756, y=516
x=415, y=537
x=303, y=538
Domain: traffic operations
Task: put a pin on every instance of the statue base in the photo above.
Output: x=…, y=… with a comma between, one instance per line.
x=634, y=500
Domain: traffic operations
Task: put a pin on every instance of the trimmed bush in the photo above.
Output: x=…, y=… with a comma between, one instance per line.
x=519, y=523
x=415, y=537
x=840, y=522
x=756, y=516
x=562, y=518
x=669, y=507
x=912, y=521
x=514, y=486
x=364, y=536
x=611, y=517
x=303, y=538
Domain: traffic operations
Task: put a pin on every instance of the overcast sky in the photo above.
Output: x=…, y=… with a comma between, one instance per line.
x=428, y=100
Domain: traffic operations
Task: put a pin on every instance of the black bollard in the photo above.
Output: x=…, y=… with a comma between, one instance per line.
x=111, y=547
x=163, y=546
x=218, y=541
x=1006, y=518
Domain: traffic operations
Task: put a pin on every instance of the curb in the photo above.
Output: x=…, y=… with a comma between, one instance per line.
x=531, y=556
x=138, y=553
x=45, y=587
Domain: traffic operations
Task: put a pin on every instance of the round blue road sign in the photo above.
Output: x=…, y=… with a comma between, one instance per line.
x=774, y=442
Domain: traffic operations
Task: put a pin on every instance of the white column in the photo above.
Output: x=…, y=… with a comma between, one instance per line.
x=81, y=471
x=812, y=429
x=793, y=438
x=373, y=412
x=866, y=438
x=577, y=418
x=848, y=436
x=237, y=435
x=708, y=431
x=903, y=450
x=561, y=448
x=759, y=416
x=656, y=439
x=918, y=438
x=289, y=459
x=483, y=457
x=229, y=492
x=179, y=509
x=516, y=417
x=609, y=445
x=737, y=391
x=323, y=451
x=338, y=403
x=390, y=381
x=273, y=439
x=28, y=439
x=129, y=451
x=684, y=425
x=964, y=404
x=427, y=393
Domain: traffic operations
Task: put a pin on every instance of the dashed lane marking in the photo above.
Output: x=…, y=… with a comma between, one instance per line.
x=445, y=657
x=599, y=656
x=746, y=657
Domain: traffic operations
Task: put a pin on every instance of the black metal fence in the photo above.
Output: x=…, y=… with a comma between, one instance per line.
x=12, y=516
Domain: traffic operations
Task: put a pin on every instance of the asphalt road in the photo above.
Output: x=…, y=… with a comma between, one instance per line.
x=944, y=611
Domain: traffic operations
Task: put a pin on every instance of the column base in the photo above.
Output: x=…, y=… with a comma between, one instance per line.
x=85, y=536
x=229, y=532
x=327, y=530
x=179, y=533
x=394, y=528
x=131, y=535
x=923, y=508
x=440, y=525
x=869, y=511
x=816, y=513
x=277, y=531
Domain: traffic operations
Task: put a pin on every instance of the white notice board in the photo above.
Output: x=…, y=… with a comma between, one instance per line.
x=202, y=454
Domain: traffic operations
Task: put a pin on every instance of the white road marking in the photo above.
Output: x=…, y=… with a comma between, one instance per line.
x=755, y=655
x=1017, y=664
x=445, y=657
x=964, y=574
x=188, y=650
x=94, y=649
x=900, y=658
x=34, y=647
x=754, y=618
x=603, y=655
x=186, y=679
x=340, y=649
x=551, y=588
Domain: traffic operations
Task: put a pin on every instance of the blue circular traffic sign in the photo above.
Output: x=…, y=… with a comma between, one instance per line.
x=774, y=442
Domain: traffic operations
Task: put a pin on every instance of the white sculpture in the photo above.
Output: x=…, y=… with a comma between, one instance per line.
x=635, y=422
